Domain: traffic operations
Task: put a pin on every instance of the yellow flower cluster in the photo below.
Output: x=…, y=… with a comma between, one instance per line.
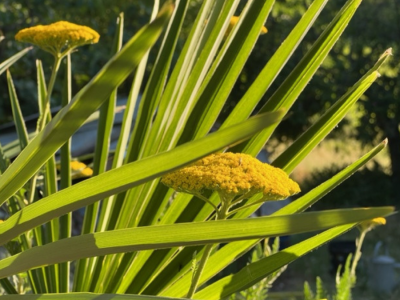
x=58, y=37
x=80, y=170
x=233, y=174
x=371, y=224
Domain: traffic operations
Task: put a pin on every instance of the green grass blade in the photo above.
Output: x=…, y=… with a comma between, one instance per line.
x=186, y=234
x=294, y=84
x=262, y=268
x=128, y=176
x=70, y=118
x=9, y=62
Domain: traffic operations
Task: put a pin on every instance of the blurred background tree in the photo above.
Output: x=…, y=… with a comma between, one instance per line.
x=375, y=27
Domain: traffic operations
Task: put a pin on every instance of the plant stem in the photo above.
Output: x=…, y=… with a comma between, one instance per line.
x=221, y=214
x=43, y=117
x=357, y=254
x=199, y=271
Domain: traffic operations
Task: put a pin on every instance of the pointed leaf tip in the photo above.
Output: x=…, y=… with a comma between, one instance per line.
x=385, y=142
x=388, y=51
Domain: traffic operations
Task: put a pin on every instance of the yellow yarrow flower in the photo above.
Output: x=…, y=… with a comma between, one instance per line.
x=232, y=174
x=371, y=224
x=58, y=38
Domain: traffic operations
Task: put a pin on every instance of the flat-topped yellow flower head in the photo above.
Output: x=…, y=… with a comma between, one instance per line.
x=58, y=38
x=232, y=174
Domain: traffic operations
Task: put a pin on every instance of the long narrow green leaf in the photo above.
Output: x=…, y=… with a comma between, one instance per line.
x=317, y=132
x=171, y=126
x=155, y=86
x=9, y=62
x=100, y=278
x=83, y=296
x=17, y=114
x=83, y=278
x=226, y=70
x=70, y=118
x=317, y=193
x=271, y=70
x=177, y=82
x=262, y=268
x=48, y=232
x=7, y=286
x=128, y=176
x=294, y=84
x=186, y=234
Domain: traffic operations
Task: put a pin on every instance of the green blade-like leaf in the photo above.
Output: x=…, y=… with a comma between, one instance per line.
x=70, y=118
x=128, y=176
x=82, y=278
x=184, y=234
x=9, y=62
x=317, y=193
x=292, y=156
x=223, y=74
x=17, y=114
x=262, y=268
x=271, y=70
x=83, y=296
x=294, y=84
x=156, y=83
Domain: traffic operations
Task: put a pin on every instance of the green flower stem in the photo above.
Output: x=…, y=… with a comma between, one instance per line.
x=199, y=271
x=357, y=255
x=242, y=207
x=221, y=214
x=207, y=201
x=65, y=180
x=52, y=228
x=43, y=117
